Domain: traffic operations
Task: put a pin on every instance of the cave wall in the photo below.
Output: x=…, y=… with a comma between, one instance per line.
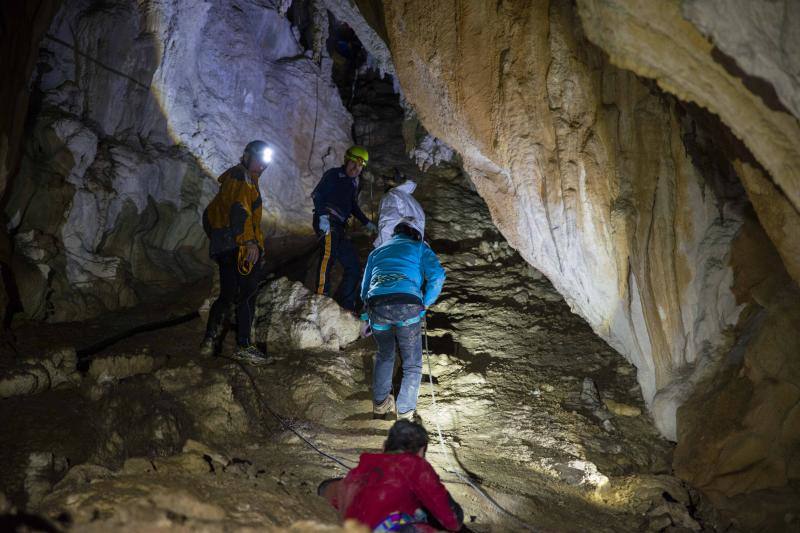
x=138, y=107
x=631, y=200
x=22, y=25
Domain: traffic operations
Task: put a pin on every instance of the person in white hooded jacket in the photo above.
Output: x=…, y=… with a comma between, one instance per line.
x=399, y=205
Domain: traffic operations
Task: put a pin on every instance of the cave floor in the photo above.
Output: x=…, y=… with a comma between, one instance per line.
x=154, y=437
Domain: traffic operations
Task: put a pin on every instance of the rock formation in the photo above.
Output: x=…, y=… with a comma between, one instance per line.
x=634, y=203
x=124, y=150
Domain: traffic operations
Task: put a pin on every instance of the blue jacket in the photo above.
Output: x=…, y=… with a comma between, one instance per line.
x=336, y=195
x=403, y=266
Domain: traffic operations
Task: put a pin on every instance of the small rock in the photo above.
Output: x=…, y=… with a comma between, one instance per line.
x=622, y=409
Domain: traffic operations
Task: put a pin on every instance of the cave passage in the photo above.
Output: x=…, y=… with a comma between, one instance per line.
x=615, y=344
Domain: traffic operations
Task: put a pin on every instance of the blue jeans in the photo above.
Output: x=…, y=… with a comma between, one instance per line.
x=408, y=339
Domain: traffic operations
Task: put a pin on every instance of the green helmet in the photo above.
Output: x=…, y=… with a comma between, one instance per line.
x=357, y=154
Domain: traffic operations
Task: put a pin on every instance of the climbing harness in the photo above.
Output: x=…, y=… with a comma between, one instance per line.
x=450, y=468
x=400, y=324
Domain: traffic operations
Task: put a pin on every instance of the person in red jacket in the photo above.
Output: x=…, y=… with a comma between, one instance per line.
x=397, y=490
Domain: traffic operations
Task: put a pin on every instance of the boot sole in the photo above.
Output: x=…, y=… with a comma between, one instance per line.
x=384, y=416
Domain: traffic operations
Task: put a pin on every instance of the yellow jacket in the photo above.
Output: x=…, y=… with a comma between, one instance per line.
x=233, y=218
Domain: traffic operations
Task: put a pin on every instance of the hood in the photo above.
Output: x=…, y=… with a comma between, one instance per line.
x=408, y=186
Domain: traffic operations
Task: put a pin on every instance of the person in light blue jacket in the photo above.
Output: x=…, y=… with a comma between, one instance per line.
x=402, y=279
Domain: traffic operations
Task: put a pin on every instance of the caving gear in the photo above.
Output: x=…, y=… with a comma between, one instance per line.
x=335, y=200
x=385, y=408
x=324, y=224
x=407, y=483
x=233, y=218
x=258, y=149
x=399, y=205
x=250, y=354
x=357, y=154
x=403, y=266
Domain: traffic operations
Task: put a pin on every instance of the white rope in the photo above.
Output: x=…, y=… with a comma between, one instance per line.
x=452, y=469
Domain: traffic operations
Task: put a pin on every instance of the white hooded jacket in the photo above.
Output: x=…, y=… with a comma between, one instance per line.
x=396, y=205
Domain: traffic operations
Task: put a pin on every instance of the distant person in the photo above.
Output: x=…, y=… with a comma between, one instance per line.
x=398, y=204
x=403, y=277
x=232, y=222
x=335, y=200
x=397, y=490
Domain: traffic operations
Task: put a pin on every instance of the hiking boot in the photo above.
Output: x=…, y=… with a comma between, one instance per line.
x=208, y=347
x=250, y=354
x=384, y=410
x=411, y=416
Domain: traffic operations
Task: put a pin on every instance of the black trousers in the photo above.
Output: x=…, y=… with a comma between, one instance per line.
x=337, y=247
x=234, y=288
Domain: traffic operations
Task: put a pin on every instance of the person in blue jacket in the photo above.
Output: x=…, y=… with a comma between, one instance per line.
x=335, y=200
x=402, y=279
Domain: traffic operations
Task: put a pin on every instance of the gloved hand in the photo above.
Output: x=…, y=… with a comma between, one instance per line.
x=372, y=228
x=324, y=224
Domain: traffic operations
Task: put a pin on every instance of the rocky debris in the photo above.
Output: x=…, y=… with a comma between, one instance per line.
x=590, y=397
x=621, y=409
x=114, y=367
x=289, y=316
x=217, y=413
x=35, y=375
x=42, y=470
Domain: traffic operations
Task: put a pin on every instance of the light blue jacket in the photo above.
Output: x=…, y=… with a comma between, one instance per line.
x=403, y=266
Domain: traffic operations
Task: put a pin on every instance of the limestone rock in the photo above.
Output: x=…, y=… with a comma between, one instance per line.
x=290, y=316
x=35, y=375
x=120, y=366
x=134, y=129
x=218, y=414
x=577, y=162
x=621, y=409
x=761, y=38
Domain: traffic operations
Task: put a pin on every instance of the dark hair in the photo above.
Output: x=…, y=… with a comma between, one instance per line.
x=404, y=229
x=406, y=436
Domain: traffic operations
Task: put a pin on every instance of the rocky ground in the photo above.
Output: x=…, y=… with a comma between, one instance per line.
x=538, y=411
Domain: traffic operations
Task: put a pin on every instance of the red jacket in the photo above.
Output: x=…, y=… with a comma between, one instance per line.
x=384, y=483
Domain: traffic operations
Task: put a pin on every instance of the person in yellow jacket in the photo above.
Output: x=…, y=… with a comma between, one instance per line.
x=232, y=222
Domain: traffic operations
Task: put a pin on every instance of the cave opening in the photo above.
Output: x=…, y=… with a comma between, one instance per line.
x=615, y=347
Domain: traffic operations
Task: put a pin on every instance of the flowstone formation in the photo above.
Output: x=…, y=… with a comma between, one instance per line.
x=669, y=230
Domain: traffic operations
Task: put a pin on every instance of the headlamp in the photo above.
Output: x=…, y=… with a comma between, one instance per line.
x=266, y=155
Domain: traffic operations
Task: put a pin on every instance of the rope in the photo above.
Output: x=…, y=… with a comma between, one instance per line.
x=285, y=424
x=450, y=468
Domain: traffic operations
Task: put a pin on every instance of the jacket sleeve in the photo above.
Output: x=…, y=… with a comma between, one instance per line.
x=434, y=496
x=321, y=193
x=365, y=281
x=241, y=216
x=434, y=275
